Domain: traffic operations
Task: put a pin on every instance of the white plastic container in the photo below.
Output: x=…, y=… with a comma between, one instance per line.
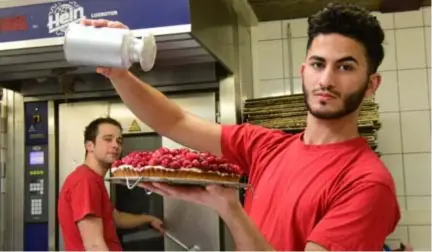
x=108, y=47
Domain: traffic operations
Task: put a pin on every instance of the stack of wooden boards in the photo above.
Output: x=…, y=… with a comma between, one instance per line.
x=288, y=113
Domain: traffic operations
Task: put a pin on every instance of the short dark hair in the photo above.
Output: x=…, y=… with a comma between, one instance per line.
x=91, y=131
x=354, y=22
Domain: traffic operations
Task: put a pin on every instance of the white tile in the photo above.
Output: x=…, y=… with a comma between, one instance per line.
x=298, y=46
x=429, y=85
x=297, y=28
x=287, y=87
x=410, y=48
x=287, y=67
x=270, y=59
x=297, y=86
x=427, y=16
x=266, y=88
x=386, y=20
x=387, y=95
x=427, y=32
x=400, y=234
x=417, y=174
x=389, y=61
x=408, y=19
x=255, y=55
x=413, y=89
x=402, y=202
x=269, y=30
x=418, y=203
x=394, y=163
x=416, y=136
x=420, y=237
x=389, y=136
x=415, y=217
x=296, y=83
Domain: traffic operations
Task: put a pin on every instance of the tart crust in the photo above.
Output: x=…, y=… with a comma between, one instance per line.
x=182, y=173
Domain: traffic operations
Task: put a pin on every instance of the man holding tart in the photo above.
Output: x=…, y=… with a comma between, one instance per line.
x=322, y=189
x=178, y=164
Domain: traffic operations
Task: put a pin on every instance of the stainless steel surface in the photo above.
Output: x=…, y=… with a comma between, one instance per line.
x=41, y=73
x=181, y=214
x=229, y=97
x=232, y=90
x=121, y=113
x=213, y=24
x=244, y=11
x=172, y=79
x=15, y=172
x=209, y=38
x=178, y=214
x=289, y=42
x=52, y=177
x=164, y=34
x=182, y=245
x=191, y=223
x=229, y=107
x=141, y=235
x=175, y=240
x=3, y=153
x=109, y=47
x=132, y=182
x=175, y=46
x=273, y=10
x=244, y=71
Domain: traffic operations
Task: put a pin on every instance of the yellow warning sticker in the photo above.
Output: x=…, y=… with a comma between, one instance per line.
x=134, y=127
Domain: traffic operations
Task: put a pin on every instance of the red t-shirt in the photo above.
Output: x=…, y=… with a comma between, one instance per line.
x=84, y=193
x=340, y=196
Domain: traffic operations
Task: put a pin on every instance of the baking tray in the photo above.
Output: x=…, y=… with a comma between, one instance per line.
x=131, y=182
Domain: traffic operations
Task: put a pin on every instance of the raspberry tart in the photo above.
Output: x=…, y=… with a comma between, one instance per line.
x=177, y=163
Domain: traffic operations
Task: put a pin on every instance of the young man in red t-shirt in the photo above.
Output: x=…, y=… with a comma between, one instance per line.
x=322, y=189
x=87, y=218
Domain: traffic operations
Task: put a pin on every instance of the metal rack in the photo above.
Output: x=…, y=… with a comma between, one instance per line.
x=132, y=182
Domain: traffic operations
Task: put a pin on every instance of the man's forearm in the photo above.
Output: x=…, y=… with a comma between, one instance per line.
x=127, y=220
x=246, y=235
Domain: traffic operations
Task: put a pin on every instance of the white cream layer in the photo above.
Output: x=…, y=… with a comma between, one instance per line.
x=158, y=167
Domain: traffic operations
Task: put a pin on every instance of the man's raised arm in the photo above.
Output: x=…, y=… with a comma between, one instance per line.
x=166, y=117
x=157, y=111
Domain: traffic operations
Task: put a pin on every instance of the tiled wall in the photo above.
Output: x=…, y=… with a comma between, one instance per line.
x=404, y=99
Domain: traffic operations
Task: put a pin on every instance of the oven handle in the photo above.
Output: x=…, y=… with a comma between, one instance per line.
x=181, y=244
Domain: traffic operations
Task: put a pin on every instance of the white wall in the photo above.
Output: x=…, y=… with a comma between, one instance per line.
x=405, y=136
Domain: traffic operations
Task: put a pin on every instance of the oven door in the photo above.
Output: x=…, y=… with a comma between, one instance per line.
x=136, y=201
